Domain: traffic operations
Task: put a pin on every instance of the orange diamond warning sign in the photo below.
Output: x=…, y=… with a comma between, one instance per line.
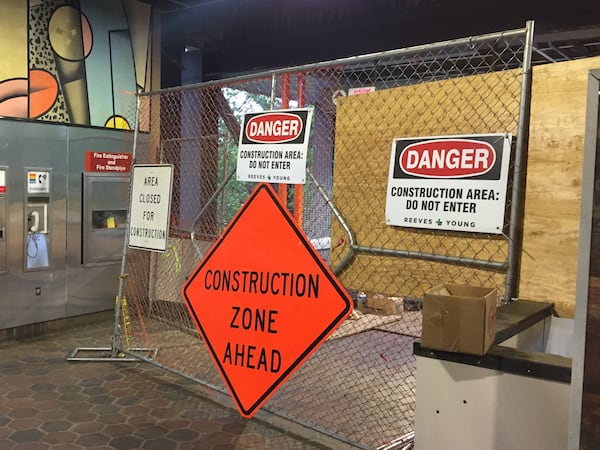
x=263, y=300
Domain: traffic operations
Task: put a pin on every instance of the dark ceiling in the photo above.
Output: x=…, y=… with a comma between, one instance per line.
x=225, y=38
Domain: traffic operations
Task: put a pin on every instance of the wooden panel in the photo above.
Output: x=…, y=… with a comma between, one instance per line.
x=553, y=191
x=365, y=128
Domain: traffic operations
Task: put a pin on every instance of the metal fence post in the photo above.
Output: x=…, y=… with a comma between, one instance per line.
x=519, y=174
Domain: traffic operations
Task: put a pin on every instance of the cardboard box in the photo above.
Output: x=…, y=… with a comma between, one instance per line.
x=459, y=318
x=386, y=306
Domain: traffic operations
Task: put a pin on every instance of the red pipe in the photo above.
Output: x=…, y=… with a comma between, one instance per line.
x=285, y=104
x=299, y=188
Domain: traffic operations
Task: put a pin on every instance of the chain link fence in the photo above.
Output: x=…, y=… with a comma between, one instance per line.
x=360, y=385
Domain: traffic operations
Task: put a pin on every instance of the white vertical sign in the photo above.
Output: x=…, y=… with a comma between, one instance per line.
x=150, y=206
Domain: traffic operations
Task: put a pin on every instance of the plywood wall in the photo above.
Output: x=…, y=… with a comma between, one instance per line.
x=553, y=191
x=365, y=128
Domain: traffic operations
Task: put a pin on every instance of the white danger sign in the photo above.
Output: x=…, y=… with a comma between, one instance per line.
x=150, y=206
x=455, y=183
x=273, y=146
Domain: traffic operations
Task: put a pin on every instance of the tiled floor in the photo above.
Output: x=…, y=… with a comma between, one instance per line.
x=47, y=402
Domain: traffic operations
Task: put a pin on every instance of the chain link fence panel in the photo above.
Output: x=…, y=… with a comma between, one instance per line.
x=360, y=384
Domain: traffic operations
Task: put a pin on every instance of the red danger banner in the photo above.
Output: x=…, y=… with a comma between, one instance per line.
x=274, y=128
x=448, y=158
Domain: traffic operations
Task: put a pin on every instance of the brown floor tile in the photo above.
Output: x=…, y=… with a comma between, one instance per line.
x=61, y=437
x=48, y=403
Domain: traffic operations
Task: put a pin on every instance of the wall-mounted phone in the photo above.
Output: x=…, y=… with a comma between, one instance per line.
x=33, y=222
x=36, y=228
x=37, y=218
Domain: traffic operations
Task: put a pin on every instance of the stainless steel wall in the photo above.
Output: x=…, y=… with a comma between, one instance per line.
x=93, y=287
x=67, y=288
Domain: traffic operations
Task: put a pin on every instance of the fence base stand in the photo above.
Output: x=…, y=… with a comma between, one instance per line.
x=106, y=354
x=405, y=442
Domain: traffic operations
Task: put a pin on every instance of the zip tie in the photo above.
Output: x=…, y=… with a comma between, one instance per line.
x=341, y=242
x=177, y=262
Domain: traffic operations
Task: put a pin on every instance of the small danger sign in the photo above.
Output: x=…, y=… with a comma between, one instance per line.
x=263, y=300
x=453, y=183
x=273, y=146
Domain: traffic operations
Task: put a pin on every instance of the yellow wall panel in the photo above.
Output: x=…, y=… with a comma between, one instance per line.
x=365, y=128
x=13, y=39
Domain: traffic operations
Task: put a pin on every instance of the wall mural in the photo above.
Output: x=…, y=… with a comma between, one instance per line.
x=73, y=61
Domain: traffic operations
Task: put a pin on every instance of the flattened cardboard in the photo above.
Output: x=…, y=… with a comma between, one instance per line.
x=459, y=318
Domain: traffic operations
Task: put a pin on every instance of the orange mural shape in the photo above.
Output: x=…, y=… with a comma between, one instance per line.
x=86, y=35
x=13, y=98
x=24, y=98
x=43, y=92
